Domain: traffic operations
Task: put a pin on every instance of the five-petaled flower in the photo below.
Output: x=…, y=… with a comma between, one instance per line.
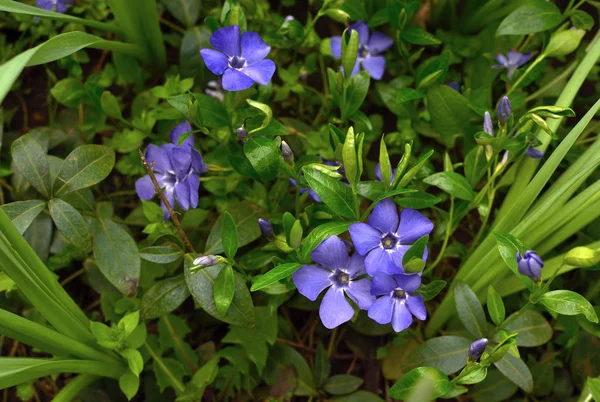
x=530, y=264
x=340, y=274
x=369, y=48
x=59, y=6
x=385, y=240
x=398, y=303
x=239, y=58
x=511, y=61
x=177, y=168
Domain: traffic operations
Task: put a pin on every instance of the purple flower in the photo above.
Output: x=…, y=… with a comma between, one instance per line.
x=512, y=62
x=59, y=6
x=534, y=153
x=488, y=125
x=477, y=348
x=504, y=110
x=177, y=170
x=378, y=173
x=530, y=264
x=454, y=85
x=266, y=227
x=240, y=59
x=398, y=303
x=311, y=192
x=339, y=273
x=369, y=48
x=384, y=240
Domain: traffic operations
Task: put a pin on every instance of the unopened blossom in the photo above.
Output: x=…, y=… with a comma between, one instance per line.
x=504, y=110
x=512, y=61
x=488, y=125
x=340, y=275
x=240, y=58
x=398, y=302
x=59, y=6
x=370, y=46
x=530, y=264
x=386, y=237
x=287, y=153
x=207, y=260
x=177, y=169
x=266, y=227
x=477, y=348
x=534, y=153
x=242, y=133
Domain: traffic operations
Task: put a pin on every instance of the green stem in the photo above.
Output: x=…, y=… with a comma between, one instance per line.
x=552, y=83
x=312, y=23
x=171, y=377
x=446, y=237
x=74, y=387
x=537, y=61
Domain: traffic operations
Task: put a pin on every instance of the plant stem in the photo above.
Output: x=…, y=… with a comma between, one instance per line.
x=446, y=237
x=74, y=387
x=537, y=61
x=163, y=198
x=158, y=360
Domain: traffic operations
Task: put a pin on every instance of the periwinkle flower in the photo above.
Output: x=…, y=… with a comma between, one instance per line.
x=385, y=239
x=177, y=169
x=511, y=61
x=311, y=192
x=477, y=348
x=534, y=153
x=239, y=58
x=338, y=273
x=488, y=125
x=369, y=48
x=378, y=173
x=59, y=6
x=504, y=110
x=207, y=260
x=530, y=264
x=266, y=227
x=398, y=303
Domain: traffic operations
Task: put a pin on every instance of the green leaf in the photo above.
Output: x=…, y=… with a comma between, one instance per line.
x=29, y=158
x=276, y=274
x=349, y=50
x=224, y=289
x=384, y=164
x=134, y=360
x=431, y=290
x=110, y=105
x=117, y=255
x=354, y=93
x=185, y=11
x=408, y=94
x=531, y=327
x=533, y=16
x=246, y=217
x=320, y=233
x=266, y=110
x=452, y=183
x=417, y=200
x=475, y=165
x=582, y=20
x=69, y=92
x=594, y=386
x=351, y=157
x=495, y=306
x=164, y=254
x=419, y=36
x=84, y=167
x=445, y=353
x=450, y=112
x=322, y=365
x=473, y=374
x=517, y=371
x=509, y=246
x=129, y=384
x=164, y=297
x=22, y=213
x=439, y=383
x=194, y=390
x=70, y=223
x=342, y=384
x=201, y=284
x=469, y=310
x=263, y=155
x=282, y=356
x=564, y=42
x=193, y=40
x=333, y=192
x=210, y=112
x=229, y=237
x=495, y=388
x=566, y=302
x=417, y=250
x=358, y=396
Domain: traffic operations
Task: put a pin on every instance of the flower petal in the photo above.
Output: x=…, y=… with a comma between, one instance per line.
x=382, y=284
x=198, y=164
x=234, y=80
x=534, y=153
x=331, y=253
x=227, y=40
x=261, y=72
x=408, y=282
x=182, y=193
x=45, y=4
x=363, y=32
x=416, y=306
x=356, y=265
x=379, y=42
x=360, y=293
x=364, y=237
x=385, y=216
x=178, y=130
x=181, y=160
x=381, y=310
x=402, y=318
x=216, y=61
x=62, y=6
x=145, y=188
x=335, y=309
x=375, y=66
x=170, y=196
x=194, y=183
x=380, y=260
x=413, y=226
x=310, y=280
x=500, y=58
x=336, y=46
x=158, y=158
x=254, y=48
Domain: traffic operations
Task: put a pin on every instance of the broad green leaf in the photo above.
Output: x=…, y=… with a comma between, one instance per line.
x=282, y=356
x=417, y=200
x=263, y=155
x=194, y=390
x=561, y=44
x=129, y=383
x=246, y=217
x=417, y=250
x=419, y=36
x=266, y=110
x=469, y=310
x=495, y=306
x=439, y=383
x=408, y=94
x=22, y=213
x=276, y=274
x=532, y=327
x=473, y=374
x=164, y=297
x=533, y=16
x=517, y=371
x=224, y=289
x=185, y=11
x=495, y=388
x=117, y=255
x=450, y=112
x=30, y=160
x=70, y=223
x=201, y=285
x=110, y=105
x=582, y=20
x=164, y=254
x=69, y=92
x=431, y=290
x=333, y=192
x=84, y=167
x=134, y=360
x=320, y=233
x=354, y=93
x=210, y=112
x=566, y=302
x=342, y=384
x=445, y=353
x=229, y=237
x=452, y=183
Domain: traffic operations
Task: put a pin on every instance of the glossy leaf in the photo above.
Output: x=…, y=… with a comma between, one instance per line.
x=164, y=254
x=533, y=16
x=164, y=297
x=452, y=183
x=354, y=93
x=445, y=353
x=469, y=310
x=246, y=217
x=566, y=302
x=224, y=289
x=30, y=160
x=333, y=192
x=263, y=155
x=342, y=384
x=230, y=237
x=266, y=110
x=495, y=306
x=417, y=200
x=320, y=233
x=276, y=274
x=439, y=383
x=419, y=36
x=517, y=371
x=70, y=223
x=84, y=167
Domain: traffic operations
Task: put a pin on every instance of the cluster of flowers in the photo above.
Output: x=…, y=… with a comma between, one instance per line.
x=373, y=277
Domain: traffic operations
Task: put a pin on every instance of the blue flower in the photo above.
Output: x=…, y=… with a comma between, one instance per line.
x=338, y=273
x=177, y=170
x=488, y=125
x=385, y=239
x=534, y=153
x=239, y=58
x=530, y=264
x=369, y=48
x=512, y=62
x=59, y=6
x=454, y=85
x=311, y=192
x=477, y=348
x=504, y=110
x=266, y=227
x=398, y=303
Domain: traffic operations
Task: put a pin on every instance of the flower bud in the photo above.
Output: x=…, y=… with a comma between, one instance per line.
x=477, y=348
x=289, y=18
x=504, y=110
x=582, y=257
x=534, y=153
x=207, y=260
x=242, y=133
x=286, y=152
x=530, y=264
x=266, y=228
x=488, y=125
